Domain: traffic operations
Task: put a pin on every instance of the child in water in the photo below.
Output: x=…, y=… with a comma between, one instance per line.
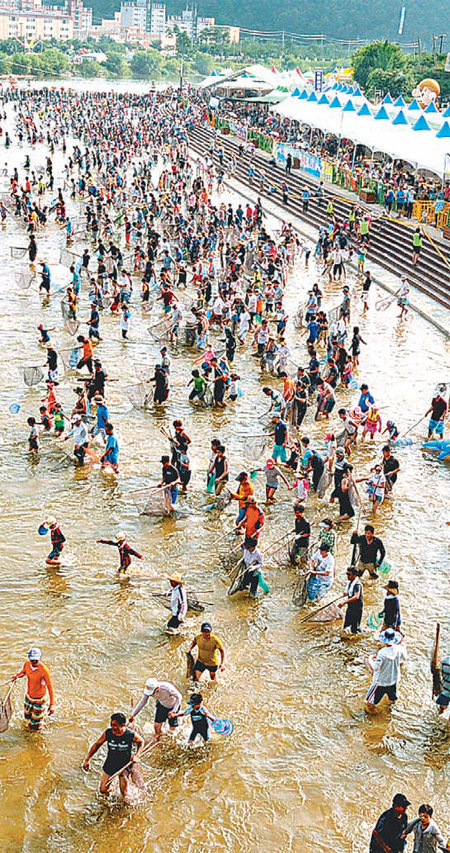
x=199, y=717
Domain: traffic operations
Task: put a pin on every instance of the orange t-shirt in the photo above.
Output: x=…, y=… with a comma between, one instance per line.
x=39, y=681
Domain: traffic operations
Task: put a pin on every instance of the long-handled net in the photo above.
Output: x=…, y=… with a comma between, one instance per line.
x=298, y=317
x=32, y=375
x=254, y=447
x=159, y=330
x=139, y=395
x=23, y=279
x=65, y=309
x=324, y=483
x=300, y=592
x=5, y=710
x=67, y=258
x=18, y=252
x=150, y=503
x=71, y=326
x=69, y=357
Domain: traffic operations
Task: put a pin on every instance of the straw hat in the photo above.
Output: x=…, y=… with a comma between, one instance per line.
x=176, y=578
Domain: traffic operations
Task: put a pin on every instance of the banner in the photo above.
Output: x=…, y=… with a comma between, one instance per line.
x=308, y=162
x=326, y=171
x=239, y=130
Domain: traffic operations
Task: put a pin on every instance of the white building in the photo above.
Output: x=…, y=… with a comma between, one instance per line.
x=157, y=22
x=134, y=14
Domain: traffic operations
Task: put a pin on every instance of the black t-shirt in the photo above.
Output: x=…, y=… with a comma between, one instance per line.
x=438, y=408
x=389, y=465
x=303, y=531
x=389, y=827
x=169, y=474
x=119, y=750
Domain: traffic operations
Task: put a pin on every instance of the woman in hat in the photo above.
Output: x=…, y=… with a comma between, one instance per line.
x=178, y=602
x=39, y=682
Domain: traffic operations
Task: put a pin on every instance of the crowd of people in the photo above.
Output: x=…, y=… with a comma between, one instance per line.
x=152, y=234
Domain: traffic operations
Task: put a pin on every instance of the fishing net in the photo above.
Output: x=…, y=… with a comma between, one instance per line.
x=32, y=375
x=148, y=503
x=67, y=258
x=298, y=317
x=223, y=500
x=69, y=357
x=138, y=395
x=208, y=397
x=65, y=311
x=329, y=614
x=155, y=504
x=24, y=279
x=333, y=314
x=236, y=584
x=160, y=329
x=254, y=447
x=189, y=334
x=282, y=552
x=18, y=251
x=324, y=483
x=5, y=712
x=300, y=593
x=71, y=326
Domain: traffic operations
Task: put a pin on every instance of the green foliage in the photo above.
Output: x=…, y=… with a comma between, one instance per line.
x=396, y=82
x=116, y=66
x=146, y=64
x=379, y=55
x=90, y=68
x=203, y=64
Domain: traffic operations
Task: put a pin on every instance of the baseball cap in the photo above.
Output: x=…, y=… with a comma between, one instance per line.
x=206, y=626
x=400, y=800
x=150, y=686
x=34, y=653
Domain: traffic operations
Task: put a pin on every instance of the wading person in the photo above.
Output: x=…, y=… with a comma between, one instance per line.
x=119, y=741
x=388, y=834
x=209, y=648
x=39, y=683
x=167, y=699
x=353, y=601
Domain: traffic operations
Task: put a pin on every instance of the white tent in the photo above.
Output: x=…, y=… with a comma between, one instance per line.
x=416, y=143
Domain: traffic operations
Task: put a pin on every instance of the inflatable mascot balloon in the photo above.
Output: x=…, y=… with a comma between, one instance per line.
x=427, y=92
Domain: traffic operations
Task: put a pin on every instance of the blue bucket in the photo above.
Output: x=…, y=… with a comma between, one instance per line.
x=42, y=529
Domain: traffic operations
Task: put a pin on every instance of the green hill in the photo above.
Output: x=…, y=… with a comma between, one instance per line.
x=343, y=19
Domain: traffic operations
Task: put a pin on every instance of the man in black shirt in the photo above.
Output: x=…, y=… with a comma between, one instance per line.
x=302, y=534
x=119, y=741
x=170, y=478
x=387, y=837
x=391, y=467
x=371, y=551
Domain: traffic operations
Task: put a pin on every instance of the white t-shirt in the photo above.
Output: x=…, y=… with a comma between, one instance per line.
x=386, y=667
x=324, y=564
x=166, y=694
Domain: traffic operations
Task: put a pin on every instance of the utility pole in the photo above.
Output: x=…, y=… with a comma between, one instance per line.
x=442, y=38
x=283, y=36
x=434, y=49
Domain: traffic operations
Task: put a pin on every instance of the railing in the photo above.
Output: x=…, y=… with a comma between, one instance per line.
x=423, y=211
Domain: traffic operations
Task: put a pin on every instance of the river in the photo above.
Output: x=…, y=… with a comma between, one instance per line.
x=306, y=769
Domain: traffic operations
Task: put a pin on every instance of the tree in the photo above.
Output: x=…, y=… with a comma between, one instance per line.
x=146, y=64
x=90, y=68
x=382, y=55
x=395, y=82
x=116, y=66
x=203, y=64
x=54, y=61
